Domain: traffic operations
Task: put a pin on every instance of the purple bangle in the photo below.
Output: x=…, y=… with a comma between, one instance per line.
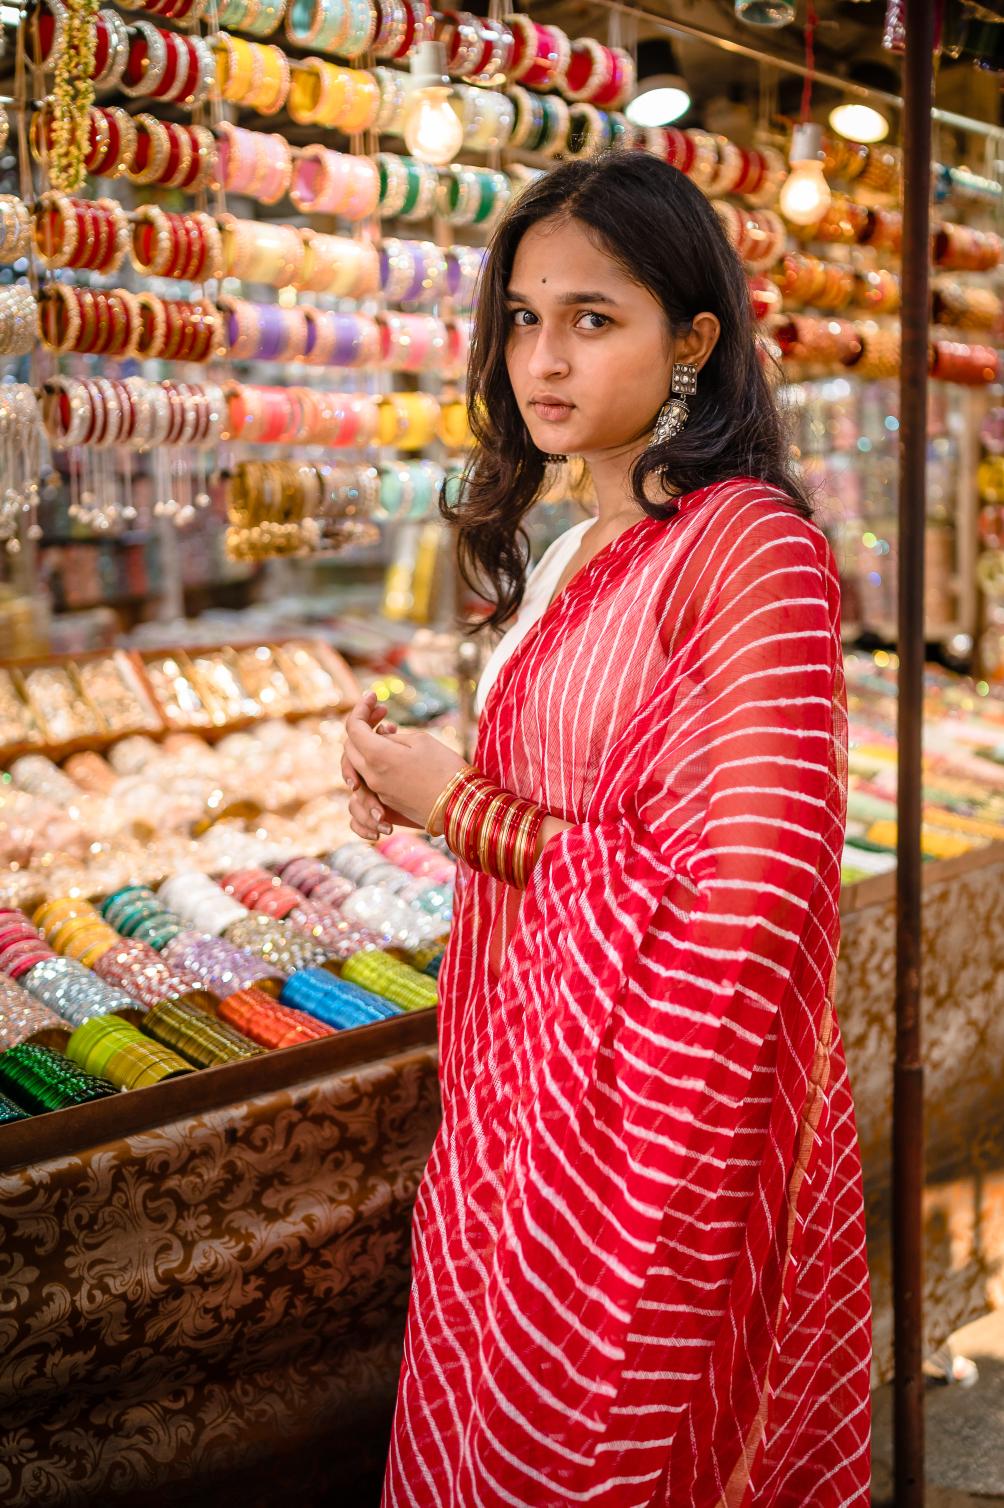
x=348, y=341
x=271, y=333
x=417, y=289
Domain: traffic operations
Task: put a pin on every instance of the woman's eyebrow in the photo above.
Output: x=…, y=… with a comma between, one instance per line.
x=566, y=298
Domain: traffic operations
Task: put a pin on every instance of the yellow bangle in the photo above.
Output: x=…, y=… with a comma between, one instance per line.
x=421, y=412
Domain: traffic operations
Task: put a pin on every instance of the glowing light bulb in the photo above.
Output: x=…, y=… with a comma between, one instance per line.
x=859, y=123
x=433, y=131
x=806, y=196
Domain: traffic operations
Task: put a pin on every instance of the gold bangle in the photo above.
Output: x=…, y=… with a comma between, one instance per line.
x=439, y=805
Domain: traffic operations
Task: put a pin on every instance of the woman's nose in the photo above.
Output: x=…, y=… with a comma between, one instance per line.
x=548, y=357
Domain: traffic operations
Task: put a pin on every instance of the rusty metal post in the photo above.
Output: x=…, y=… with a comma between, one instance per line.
x=908, y=1072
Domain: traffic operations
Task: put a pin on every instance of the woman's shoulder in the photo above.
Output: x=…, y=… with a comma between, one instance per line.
x=747, y=506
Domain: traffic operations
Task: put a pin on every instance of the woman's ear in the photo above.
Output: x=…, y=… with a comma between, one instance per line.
x=696, y=346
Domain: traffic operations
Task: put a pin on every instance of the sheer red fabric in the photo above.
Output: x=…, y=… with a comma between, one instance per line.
x=638, y=1247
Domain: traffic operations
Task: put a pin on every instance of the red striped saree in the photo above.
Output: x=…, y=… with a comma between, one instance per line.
x=638, y=1248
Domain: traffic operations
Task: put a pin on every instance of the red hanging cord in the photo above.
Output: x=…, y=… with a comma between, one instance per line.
x=810, y=58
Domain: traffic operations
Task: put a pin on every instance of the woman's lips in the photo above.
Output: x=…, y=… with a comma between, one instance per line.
x=554, y=413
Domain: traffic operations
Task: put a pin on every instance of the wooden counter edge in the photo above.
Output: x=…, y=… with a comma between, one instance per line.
x=64, y=1133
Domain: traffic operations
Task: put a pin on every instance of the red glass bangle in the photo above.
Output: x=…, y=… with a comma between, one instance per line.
x=190, y=73
x=102, y=46
x=175, y=66
x=138, y=60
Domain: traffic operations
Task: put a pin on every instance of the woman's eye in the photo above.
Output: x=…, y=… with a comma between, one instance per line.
x=522, y=317
x=601, y=320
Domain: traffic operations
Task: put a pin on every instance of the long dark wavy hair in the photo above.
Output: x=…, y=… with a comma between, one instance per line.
x=664, y=233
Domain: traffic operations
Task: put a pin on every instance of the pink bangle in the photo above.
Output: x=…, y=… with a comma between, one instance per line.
x=364, y=192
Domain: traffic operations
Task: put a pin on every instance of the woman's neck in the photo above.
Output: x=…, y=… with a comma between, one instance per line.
x=617, y=508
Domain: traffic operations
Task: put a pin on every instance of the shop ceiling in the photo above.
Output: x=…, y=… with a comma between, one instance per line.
x=847, y=34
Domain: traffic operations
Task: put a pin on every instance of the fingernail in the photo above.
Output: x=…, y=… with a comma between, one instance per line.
x=386, y=829
x=376, y=813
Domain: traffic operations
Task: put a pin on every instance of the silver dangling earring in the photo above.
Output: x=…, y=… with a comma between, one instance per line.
x=675, y=412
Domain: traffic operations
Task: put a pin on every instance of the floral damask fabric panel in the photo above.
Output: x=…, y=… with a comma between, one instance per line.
x=211, y=1292
x=963, y=1036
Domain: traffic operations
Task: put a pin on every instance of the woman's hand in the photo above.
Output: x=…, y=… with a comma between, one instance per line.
x=404, y=771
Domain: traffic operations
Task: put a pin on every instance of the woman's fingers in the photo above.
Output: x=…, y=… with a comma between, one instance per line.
x=367, y=817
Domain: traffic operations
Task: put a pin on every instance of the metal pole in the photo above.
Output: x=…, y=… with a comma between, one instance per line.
x=908, y=1072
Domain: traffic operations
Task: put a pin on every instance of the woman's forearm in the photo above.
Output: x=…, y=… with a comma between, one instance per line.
x=552, y=826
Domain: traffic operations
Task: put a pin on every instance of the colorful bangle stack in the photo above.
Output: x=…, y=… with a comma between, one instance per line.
x=135, y=911
x=89, y=320
x=316, y=880
x=961, y=248
x=167, y=66
x=254, y=163
x=261, y=18
x=326, y=94
x=39, y=1079
x=253, y=74
x=408, y=188
x=412, y=342
x=809, y=280
x=410, y=489
x=112, y=1048
x=412, y=272
x=184, y=12
x=21, y=1015
x=18, y=320
x=337, y=1002
x=598, y=75
x=263, y=1020
x=472, y=196
x=410, y=852
x=15, y=229
x=221, y=967
x=968, y=365
x=383, y=975
x=968, y=308
x=488, y=117
x=344, y=27
x=407, y=421
x=74, y=991
x=281, y=946
x=335, y=183
x=541, y=54
x=489, y=828
x=197, y=1037
x=298, y=415
x=176, y=246
x=337, y=265
x=170, y=155
x=758, y=235
x=136, y=414
x=80, y=233
x=259, y=252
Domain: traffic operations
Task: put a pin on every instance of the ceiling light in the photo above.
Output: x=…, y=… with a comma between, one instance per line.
x=663, y=99
x=858, y=122
x=662, y=95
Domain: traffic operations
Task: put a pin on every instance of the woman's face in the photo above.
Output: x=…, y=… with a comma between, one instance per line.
x=589, y=352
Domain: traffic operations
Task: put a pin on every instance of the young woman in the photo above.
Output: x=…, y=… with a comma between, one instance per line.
x=639, y=1265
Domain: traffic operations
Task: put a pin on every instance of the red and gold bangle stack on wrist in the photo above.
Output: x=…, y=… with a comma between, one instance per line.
x=88, y=320
x=492, y=830
x=80, y=232
x=176, y=246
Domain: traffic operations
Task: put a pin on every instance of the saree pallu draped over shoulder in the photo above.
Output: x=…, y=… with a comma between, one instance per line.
x=639, y=1274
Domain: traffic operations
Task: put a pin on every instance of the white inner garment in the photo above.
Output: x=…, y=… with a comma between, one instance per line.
x=540, y=586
